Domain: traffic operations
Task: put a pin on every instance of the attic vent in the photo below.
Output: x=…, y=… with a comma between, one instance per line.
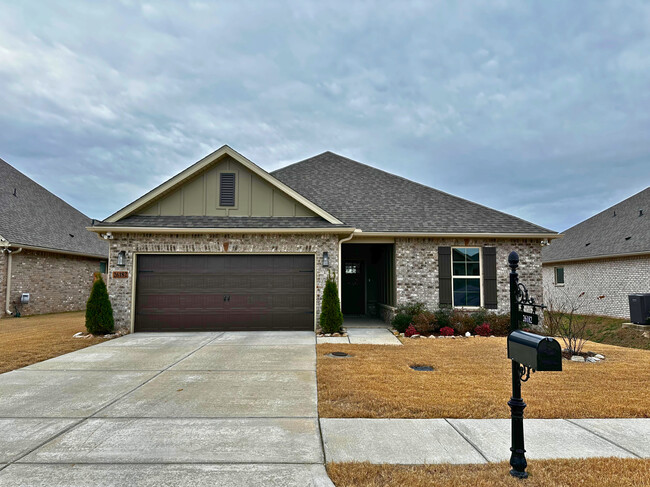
x=227, y=189
x=628, y=238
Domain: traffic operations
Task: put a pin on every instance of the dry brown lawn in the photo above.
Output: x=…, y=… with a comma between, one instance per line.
x=610, y=472
x=25, y=341
x=472, y=380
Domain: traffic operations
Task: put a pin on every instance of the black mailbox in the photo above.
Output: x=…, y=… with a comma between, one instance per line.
x=535, y=351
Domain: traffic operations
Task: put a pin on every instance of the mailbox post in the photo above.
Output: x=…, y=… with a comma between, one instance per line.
x=528, y=352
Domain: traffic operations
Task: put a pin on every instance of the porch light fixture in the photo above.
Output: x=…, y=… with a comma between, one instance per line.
x=326, y=259
x=121, y=256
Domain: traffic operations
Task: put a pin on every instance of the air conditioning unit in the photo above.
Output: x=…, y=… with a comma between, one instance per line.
x=640, y=308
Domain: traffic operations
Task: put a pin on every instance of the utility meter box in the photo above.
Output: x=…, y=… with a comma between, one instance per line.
x=24, y=298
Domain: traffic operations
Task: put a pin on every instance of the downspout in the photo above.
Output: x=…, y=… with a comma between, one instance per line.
x=8, y=296
x=338, y=277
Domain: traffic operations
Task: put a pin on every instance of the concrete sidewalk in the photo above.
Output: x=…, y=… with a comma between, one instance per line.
x=363, y=336
x=428, y=441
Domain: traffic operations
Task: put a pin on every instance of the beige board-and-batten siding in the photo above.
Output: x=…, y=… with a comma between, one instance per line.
x=121, y=291
x=55, y=282
x=416, y=266
x=612, y=278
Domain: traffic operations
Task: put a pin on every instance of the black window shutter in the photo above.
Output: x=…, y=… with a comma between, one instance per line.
x=444, y=275
x=490, y=277
x=227, y=189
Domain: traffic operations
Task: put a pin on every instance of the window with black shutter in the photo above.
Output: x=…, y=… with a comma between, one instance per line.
x=227, y=189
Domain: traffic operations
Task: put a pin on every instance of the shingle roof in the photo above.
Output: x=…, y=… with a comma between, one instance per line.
x=606, y=234
x=219, y=222
x=376, y=201
x=37, y=218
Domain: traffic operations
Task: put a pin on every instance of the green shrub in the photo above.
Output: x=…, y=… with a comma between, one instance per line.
x=480, y=316
x=401, y=321
x=443, y=316
x=499, y=323
x=331, y=318
x=425, y=322
x=411, y=309
x=463, y=321
x=99, y=312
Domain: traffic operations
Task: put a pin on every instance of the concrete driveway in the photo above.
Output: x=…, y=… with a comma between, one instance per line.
x=180, y=409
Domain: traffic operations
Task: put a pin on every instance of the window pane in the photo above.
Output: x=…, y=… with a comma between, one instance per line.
x=473, y=299
x=472, y=254
x=467, y=292
x=459, y=269
x=473, y=285
x=460, y=285
x=559, y=275
x=459, y=299
x=473, y=269
x=459, y=255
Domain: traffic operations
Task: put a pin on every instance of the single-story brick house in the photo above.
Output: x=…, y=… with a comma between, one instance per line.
x=45, y=249
x=606, y=256
x=225, y=245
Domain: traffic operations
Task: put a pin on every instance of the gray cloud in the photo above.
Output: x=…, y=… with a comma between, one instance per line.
x=539, y=109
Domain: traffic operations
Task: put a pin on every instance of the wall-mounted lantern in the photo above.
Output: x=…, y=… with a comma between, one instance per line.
x=326, y=259
x=121, y=258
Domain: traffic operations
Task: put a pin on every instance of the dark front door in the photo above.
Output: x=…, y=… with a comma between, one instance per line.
x=224, y=292
x=353, y=292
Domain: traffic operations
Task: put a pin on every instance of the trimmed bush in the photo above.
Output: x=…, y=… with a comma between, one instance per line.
x=463, y=322
x=331, y=317
x=446, y=331
x=401, y=322
x=425, y=322
x=443, y=316
x=99, y=312
x=499, y=322
x=410, y=331
x=483, y=330
x=411, y=309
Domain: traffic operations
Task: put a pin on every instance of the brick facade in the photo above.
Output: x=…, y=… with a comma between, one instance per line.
x=416, y=266
x=120, y=290
x=3, y=282
x=613, y=278
x=56, y=282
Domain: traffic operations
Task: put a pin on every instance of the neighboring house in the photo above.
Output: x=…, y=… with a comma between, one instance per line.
x=45, y=249
x=606, y=256
x=224, y=245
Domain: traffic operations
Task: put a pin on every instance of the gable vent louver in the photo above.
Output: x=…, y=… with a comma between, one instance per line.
x=227, y=189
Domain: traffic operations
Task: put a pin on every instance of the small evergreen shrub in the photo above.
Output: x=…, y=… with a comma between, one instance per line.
x=483, y=330
x=425, y=322
x=446, y=331
x=463, y=322
x=331, y=318
x=410, y=331
x=99, y=312
x=443, y=316
x=412, y=309
x=499, y=322
x=401, y=321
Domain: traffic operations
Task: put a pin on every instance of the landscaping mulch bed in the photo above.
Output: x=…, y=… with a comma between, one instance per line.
x=472, y=380
x=25, y=341
x=611, y=472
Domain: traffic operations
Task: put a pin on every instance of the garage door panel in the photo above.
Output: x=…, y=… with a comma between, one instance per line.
x=224, y=292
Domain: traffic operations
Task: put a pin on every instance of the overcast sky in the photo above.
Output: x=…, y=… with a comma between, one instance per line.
x=540, y=109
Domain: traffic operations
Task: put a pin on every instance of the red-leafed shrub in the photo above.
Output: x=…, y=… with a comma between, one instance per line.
x=410, y=331
x=483, y=330
x=447, y=331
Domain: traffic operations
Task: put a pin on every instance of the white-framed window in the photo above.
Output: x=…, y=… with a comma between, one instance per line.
x=559, y=275
x=466, y=277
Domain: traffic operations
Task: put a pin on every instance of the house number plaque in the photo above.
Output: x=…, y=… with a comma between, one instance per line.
x=120, y=274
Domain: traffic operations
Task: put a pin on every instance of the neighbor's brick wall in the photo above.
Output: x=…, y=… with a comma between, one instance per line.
x=3, y=282
x=120, y=290
x=614, y=279
x=416, y=266
x=56, y=282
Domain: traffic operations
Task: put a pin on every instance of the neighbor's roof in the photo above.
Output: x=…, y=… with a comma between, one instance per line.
x=32, y=216
x=376, y=201
x=622, y=229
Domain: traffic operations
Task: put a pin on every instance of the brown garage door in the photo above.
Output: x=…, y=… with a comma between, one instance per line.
x=224, y=292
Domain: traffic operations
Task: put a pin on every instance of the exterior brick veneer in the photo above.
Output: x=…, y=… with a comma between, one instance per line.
x=3, y=282
x=56, y=282
x=614, y=278
x=416, y=266
x=120, y=290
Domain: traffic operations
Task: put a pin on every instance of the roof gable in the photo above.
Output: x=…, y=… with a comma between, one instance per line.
x=192, y=192
x=31, y=216
x=619, y=230
x=379, y=202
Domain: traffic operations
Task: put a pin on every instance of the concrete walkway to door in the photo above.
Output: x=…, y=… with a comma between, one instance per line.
x=184, y=409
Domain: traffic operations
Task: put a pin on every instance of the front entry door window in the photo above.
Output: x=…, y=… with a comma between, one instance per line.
x=353, y=292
